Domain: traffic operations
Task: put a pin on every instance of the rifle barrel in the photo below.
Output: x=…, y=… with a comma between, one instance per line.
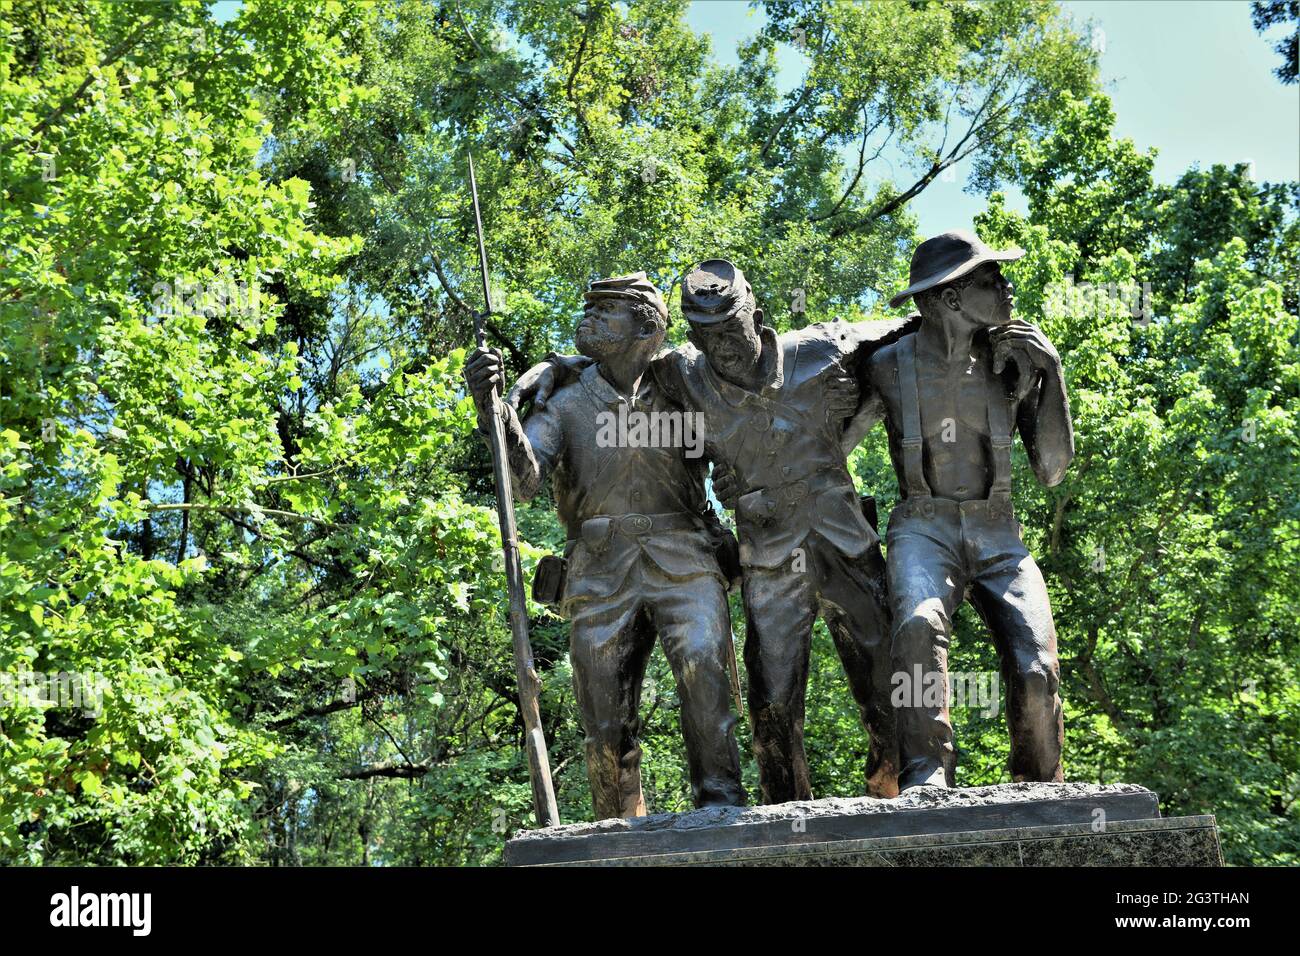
x=480, y=319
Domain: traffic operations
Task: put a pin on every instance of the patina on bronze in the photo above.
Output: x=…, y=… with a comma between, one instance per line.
x=953, y=394
x=777, y=411
x=640, y=555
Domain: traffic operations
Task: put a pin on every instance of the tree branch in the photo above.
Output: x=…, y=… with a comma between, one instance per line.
x=940, y=162
x=389, y=768
x=111, y=57
x=242, y=509
x=784, y=118
x=332, y=707
x=867, y=130
x=573, y=75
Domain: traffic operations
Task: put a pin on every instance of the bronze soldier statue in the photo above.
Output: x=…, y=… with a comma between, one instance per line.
x=777, y=411
x=950, y=412
x=640, y=555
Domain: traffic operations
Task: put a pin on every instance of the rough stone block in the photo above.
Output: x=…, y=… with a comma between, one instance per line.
x=1025, y=824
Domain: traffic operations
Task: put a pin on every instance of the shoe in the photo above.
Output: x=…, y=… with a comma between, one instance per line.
x=935, y=777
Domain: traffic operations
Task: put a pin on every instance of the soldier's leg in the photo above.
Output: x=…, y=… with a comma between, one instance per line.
x=780, y=607
x=609, y=644
x=854, y=605
x=926, y=584
x=1012, y=598
x=694, y=625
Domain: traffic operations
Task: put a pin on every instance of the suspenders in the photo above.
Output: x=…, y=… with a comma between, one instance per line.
x=999, y=412
x=1000, y=439
x=909, y=396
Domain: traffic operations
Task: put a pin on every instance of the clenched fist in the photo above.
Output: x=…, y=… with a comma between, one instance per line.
x=724, y=485
x=484, y=374
x=842, y=398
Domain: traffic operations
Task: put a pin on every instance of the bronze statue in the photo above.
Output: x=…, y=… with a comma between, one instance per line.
x=628, y=479
x=777, y=411
x=950, y=411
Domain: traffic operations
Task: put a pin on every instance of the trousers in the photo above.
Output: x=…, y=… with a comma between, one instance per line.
x=935, y=560
x=609, y=646
x=781, y=606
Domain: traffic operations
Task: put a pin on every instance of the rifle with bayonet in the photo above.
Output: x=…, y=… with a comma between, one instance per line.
x=530, y=686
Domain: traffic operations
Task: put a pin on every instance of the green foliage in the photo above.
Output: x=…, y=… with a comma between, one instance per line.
x=1171, y=546
x=239, y=488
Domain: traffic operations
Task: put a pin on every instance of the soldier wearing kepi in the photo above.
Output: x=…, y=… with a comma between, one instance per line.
x=950, y=414
x=640, y=556
x=781, y=413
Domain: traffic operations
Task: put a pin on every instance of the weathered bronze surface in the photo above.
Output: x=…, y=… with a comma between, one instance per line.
x=778, y=413
x=776, y=408
x=952, y=394
x=640, y=555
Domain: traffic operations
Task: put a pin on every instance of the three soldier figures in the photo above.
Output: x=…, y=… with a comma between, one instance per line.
x=774, y=416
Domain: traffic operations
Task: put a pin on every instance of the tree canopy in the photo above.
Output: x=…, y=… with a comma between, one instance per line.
x=243, y=511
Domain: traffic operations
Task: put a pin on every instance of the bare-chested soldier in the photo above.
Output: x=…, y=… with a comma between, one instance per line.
x=950, y=412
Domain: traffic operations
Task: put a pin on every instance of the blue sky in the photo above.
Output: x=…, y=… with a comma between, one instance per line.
x=1190, y=77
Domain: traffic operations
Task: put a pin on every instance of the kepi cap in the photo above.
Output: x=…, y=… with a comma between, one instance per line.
x=713, y=291
x=636, y=287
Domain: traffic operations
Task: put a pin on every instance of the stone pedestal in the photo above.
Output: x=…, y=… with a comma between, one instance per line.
x=1018, y=824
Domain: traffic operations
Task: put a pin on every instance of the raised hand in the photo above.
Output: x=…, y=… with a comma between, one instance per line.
x=1029, y=349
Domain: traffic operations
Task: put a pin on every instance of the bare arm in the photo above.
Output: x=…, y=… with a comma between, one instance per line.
x=859, y=341
x=547, y=376
x=1043, y=410
x=556, y=371
x=856, y=428
x=1045, y=428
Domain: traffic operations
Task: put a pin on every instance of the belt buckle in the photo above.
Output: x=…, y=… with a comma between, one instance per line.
x=636, y=524
x=795, y=491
